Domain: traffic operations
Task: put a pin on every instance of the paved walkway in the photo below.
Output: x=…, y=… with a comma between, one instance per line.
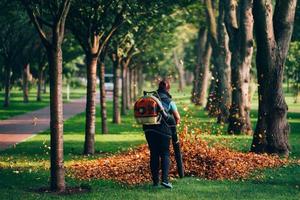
x=19, y=128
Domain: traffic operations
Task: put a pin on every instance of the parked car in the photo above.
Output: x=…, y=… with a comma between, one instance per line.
x=109, y=82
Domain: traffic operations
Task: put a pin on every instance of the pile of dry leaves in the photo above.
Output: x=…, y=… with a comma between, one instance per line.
x=200, y=159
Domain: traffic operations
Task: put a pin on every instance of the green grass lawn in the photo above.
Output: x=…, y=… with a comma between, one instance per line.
x=17, y=106
x=24, y=169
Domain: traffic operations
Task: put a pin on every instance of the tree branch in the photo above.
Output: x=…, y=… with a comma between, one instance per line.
x=62, y=15
x=42, y=21
x=211, y=22
x=63, y=10
x=231, y=22
x=80, y=40
x=130, y=54
x=283, y=22
x=262, y=13
x=117, y=23
x=37, y=25
x=106, y=7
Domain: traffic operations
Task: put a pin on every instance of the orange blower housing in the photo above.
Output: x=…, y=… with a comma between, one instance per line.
x=146, y=111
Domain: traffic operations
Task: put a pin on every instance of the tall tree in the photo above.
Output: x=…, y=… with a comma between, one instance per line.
x=221, y=61
x=53, y=14
x=143, y=19
x=273, y=34
x=25, y=82
x=115, y=57
x=201, y=71
x=24, y=60
x=14, y=37
x=296, y=31
x=180, y=68
x=121, y=46
x=41, y=68
x=126, y=101
x=292, y=68
x=103, y=106
x=196, y=15
x=241, y=46
x=93, y=23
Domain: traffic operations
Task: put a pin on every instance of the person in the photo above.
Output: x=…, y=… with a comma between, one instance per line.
x=158, y=136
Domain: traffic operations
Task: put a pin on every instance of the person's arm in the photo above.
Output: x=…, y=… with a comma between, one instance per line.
x=175, y=112
x=176, y=116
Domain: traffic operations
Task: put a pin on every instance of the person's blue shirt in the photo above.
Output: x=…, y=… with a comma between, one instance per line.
x=172, y=107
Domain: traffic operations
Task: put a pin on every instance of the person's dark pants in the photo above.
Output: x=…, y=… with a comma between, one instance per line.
x=159, y=149
x=174, y=134
x=177, y=152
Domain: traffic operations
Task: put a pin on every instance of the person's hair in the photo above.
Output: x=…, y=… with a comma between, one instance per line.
x=164, y=85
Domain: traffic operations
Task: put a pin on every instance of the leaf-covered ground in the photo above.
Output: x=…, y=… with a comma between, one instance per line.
x=200, y=160
x=25, y=168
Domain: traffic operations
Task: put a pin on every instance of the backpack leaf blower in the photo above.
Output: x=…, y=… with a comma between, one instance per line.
x=148, y=110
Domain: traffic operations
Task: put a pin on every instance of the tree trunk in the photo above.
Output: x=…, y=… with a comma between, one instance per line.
x=189, y=77
x=140, y=81
x=7, y=85
x=55, y=59
x=26, y=74
x=57, y=178
x=212, y=101
x=104, y=128
x=135, y=91
x=130, y=83
x=180, y=68
x=45, y=82
x=128, y=88
x=252, y=88
x=241, y=45
x=224, y=68
x=200, y=45
x=297, y=93
x=68, y=91
x=124, y=88
x=90, y=110
x=2, y=81
x=288, y=84
x=204, y=75
x=116, y=92
x=204, y=82
x=219, y=98
x=40, y=83
x=273, y=36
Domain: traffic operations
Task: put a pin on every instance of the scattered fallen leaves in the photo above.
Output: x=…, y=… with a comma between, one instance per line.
x=130, y=167
x=200, y=160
